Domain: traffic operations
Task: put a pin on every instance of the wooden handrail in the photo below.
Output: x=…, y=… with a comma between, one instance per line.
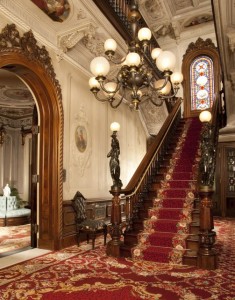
x=149, y=156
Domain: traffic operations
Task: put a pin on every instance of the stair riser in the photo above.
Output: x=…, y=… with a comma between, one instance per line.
x=195, y=216
x=130, y=240
x=194, y=229
x=190, y=261
x=192, y=245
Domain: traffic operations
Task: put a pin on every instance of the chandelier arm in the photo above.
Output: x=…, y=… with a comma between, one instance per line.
x=102, y=85
x=171, y=96
x=116, y=62
x=161, y=87
x=119, y=102
x=100, y=99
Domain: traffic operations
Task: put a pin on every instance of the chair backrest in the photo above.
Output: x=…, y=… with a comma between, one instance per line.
x=78, y=203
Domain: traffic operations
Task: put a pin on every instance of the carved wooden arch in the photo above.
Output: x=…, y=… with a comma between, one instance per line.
x=200, y=47
x=33, y=65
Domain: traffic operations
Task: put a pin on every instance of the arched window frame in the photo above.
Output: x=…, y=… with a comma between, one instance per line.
x=198, y=49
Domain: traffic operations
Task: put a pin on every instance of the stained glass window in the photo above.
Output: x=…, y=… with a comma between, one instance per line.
x=202, y=83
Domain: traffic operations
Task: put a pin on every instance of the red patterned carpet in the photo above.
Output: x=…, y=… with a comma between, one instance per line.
x=80, y=273
x=13, y=238
x=168, y=224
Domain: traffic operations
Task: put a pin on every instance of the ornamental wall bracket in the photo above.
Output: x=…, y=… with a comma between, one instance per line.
x=71, y=37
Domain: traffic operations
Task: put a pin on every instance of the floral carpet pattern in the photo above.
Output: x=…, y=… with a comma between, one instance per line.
x=82, y=273
x=167, y=225
x=14, y=238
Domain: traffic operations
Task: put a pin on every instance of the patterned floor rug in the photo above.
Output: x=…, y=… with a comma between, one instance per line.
x=80, y=273
x=14, y=238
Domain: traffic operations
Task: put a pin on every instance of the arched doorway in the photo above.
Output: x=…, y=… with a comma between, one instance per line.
x=23, y=57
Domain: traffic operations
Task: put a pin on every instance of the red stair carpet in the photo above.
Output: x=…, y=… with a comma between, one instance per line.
x=165, y=231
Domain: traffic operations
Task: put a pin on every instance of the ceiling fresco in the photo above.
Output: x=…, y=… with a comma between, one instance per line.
x=16, y=101
x=57, y=10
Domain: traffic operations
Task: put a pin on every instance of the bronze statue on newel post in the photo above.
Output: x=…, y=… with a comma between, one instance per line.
x=207, y=256
x=113, y=247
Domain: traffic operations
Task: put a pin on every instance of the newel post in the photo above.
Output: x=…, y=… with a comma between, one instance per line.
x=207, y=257
x=113, y=246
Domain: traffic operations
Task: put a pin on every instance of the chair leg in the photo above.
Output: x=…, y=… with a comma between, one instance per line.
x=87, y=238
x=105, y=234
x=78, y=237
x=93, y=236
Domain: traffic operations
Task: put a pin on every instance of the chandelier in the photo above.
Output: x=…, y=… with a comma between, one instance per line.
x=135, y=81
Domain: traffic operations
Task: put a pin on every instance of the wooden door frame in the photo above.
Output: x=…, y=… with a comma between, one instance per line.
x=23, y=57
x=200, y=47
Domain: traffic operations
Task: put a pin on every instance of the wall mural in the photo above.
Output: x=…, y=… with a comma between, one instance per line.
x=57, y=10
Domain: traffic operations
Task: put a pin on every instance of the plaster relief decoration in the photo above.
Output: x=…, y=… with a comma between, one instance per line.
x=81, y=145
x=93, y=43
x=57, y=10
x=180, y=4
x=70, y=38
x=152, y=117
x=154, y=9
x=231, y=40
x=163, y=30
x=198, y=20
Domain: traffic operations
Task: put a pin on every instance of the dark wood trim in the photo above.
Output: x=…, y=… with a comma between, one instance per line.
x=33, y=65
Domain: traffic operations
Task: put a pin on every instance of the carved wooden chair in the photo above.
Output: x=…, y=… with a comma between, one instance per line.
x=84, y=225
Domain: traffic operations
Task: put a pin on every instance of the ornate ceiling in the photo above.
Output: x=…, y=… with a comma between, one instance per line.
x=16, y=101
x=80, y=36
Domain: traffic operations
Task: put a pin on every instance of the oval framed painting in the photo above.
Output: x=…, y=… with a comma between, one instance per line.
x=81, y=138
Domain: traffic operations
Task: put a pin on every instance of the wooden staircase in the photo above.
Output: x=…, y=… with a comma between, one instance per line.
x=145, y=202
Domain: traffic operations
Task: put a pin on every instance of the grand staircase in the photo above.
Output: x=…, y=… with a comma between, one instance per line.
x=165, y=225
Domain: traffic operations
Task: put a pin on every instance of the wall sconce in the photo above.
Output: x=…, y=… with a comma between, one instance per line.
x=114, y=157
x=2, y=134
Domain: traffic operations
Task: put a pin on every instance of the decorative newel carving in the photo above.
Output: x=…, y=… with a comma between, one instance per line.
x=113, y=247
x=207, y=256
